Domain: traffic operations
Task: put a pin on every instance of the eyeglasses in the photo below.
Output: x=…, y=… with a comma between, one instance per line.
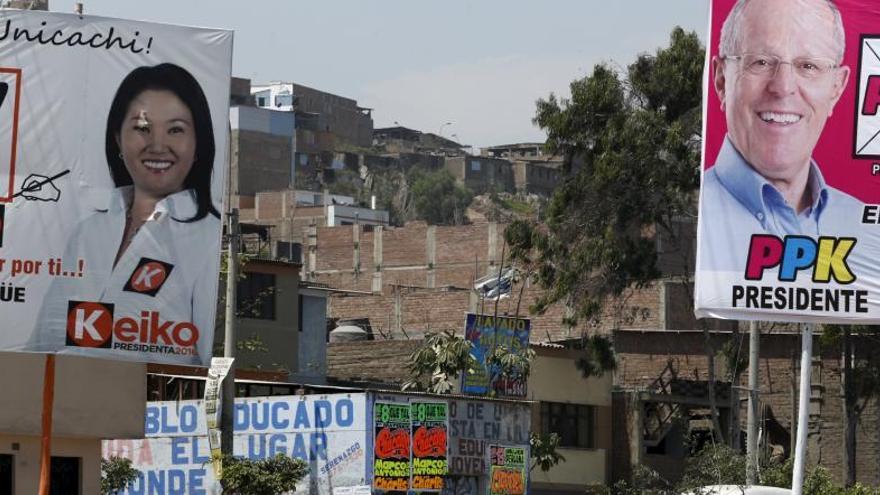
x=763, y=65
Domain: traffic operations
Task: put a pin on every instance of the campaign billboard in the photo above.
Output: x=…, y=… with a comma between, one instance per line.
x=113, y=152
x=329, y=432
x=507, y=470
x=788, y=213
x=487, y=333
x=430, y=442
x=391, y=447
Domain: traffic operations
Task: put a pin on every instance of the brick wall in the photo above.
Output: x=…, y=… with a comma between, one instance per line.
x=461, y=246
x=643, y=356
x=460, y=255
x=335, y=249
x=265, y=163
x=404, y=313
x=373, y=360
x=405, y=246
x=269, y=205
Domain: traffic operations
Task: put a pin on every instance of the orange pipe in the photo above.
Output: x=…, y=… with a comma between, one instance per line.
x=46, y=445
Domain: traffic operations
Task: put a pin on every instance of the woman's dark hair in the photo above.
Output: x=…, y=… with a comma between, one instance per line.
x=167, y=77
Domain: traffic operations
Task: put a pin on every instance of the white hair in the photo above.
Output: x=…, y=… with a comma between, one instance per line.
x=731, y=31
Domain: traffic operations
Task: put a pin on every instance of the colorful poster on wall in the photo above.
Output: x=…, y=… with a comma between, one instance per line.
x=113, y=152
x=329, y=432
x=391, y=447
x=430, y=428
x=789, y=214
x=507, y=470
x=487, y=333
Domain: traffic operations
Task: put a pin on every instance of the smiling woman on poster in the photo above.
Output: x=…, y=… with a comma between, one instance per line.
x=147, y=281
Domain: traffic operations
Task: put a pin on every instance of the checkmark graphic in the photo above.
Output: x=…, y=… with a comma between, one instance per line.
x=876, y=58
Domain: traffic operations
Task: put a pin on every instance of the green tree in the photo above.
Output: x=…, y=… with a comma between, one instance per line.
x=543, y=451
x=721, y=465
x=859, y=381
x=439, y=361
x=116, y=474
x=437, y=198
x=268, y=476
x=632, y=147
x=443, y=357
x=631, y=143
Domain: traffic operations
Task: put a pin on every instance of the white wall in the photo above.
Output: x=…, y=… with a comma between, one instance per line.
x=556, y=379
x=94, y=399
x=313, y=336
x=26, y=460
x=581, y=467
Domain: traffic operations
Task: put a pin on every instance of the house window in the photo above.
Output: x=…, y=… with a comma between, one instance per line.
x=256, y=296
x=262, y=390
x=6, y=463
x=161, y=387
x=261, y=101
x=574, y=423
x=475, y=166
x=64, y=476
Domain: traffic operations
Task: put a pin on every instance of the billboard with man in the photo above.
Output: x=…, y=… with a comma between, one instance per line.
x=113, y=143
x=788, y=222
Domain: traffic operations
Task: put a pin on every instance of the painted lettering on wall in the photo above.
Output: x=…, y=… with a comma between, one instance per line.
x=507, y=475
x=474, y=425
x=391, y=459
x=429, y=423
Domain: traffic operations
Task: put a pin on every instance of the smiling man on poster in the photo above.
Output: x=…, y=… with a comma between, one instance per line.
x=778, y=76
x=776, y=240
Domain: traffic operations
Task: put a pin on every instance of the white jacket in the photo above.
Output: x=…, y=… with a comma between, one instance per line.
x=164, y=283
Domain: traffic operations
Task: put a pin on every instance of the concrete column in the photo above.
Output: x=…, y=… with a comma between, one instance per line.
x=473, y=301
x=569, y=313
x=493, y=246
x=377, y=259
x=397, y=324
x=664, y=300
x=431, y=255
x=356, y=252
x=289, y=212
x=636, y=408
x=312, y=246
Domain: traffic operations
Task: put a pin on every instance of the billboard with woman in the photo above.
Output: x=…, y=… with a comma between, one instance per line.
x=115, y=176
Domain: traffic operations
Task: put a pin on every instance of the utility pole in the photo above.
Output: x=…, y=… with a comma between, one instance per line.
x=803, y=423
x=752, y=425
x=226, y=423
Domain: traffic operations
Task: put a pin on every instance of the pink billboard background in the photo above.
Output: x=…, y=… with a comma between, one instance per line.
x=834, y=151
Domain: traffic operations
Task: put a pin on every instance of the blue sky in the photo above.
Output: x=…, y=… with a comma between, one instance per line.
x=480, y=64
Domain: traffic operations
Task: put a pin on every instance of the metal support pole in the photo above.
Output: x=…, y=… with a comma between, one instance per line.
x=800, y=452
x=752, y=421
x=46, y=434
x=226, y=423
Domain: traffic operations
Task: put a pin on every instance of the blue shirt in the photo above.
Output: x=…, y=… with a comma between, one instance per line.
x=736, y=202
